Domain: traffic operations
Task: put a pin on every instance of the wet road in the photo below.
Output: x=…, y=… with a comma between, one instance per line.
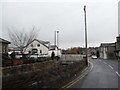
x=103, y=75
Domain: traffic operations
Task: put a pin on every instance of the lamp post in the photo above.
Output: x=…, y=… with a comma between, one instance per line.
x=55, y=39
x=57, y=43
x=86, y=36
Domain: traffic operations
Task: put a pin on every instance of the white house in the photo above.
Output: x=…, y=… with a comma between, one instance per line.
x=37, y=47
x=55, y=49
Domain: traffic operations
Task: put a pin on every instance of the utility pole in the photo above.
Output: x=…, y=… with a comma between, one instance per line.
x=86, y=36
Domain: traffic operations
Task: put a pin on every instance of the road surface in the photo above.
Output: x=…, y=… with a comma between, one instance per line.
x=103, y=75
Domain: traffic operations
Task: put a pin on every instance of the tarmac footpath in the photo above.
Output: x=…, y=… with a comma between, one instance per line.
x=78, y=77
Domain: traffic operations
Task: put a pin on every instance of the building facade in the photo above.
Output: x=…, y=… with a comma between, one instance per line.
x=4, y=46
x=37, y=47
x=55, y=49
x=107, y=51
x=92, y=51
x=117, y=47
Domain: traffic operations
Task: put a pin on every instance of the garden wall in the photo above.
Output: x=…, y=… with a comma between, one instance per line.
x=38, y=76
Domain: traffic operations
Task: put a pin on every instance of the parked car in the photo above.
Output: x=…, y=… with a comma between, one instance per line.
x=94, y=57
x=41, y=59
x=18, y=56
x=33, y=58
x=38, y=58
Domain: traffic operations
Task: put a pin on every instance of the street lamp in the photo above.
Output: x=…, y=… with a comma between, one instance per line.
x=57, y=43
x=57, y=38
x=86, y=36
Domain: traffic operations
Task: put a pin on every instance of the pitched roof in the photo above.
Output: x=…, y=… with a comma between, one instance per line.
x=52, y=47
x=42, y=42
x=14, y=48
x=4, y=41
x=107, y=44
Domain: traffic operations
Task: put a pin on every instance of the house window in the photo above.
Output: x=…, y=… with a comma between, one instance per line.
x=29, y=52
x=40, y=51
x=34, y=51
x=4, y=49
x=31, y=45
x=38, y=45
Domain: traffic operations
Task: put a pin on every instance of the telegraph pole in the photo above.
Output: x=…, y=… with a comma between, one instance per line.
x=86, y=36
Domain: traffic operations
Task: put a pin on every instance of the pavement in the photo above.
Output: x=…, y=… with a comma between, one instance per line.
x=79, y=76
x=99, y=74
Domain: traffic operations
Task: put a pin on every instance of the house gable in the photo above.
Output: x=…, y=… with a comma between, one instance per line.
x=41, y=42
x=4, y=41
x=36, y=45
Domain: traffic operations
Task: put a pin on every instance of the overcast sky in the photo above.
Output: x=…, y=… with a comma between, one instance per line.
x=66, y=16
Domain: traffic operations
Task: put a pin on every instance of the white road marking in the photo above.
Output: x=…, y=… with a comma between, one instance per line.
x=110, y=66
x=104, y=62
x=34, y=83
x=117, y=73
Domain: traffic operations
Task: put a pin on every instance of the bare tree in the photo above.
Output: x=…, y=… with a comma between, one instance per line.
x=21, y=38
